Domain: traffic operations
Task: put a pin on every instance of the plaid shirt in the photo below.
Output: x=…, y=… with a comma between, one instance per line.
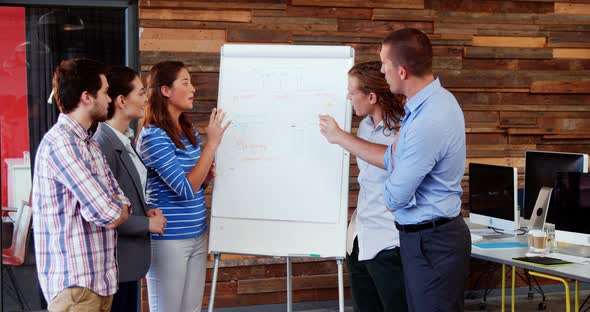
x=72, y=203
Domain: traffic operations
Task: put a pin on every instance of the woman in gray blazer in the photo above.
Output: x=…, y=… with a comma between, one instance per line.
x=114, y=136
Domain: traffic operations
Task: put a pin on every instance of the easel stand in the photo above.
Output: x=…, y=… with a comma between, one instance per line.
x=339, y=261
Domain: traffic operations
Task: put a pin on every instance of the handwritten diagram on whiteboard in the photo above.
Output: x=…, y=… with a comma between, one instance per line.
x=273, y=163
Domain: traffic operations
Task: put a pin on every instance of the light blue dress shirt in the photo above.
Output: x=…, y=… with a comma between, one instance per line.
x=429, y=158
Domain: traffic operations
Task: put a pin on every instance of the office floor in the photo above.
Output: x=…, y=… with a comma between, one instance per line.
x=555, y=301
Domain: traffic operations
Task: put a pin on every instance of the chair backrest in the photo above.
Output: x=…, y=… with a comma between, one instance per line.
x=17, y=217
x=22, y=225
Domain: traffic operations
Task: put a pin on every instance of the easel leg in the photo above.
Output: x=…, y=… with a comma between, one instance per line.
x=214, y=281
x=340, y=285
x=289, y=290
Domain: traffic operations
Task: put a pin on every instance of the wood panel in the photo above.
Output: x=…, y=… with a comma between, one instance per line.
x=571, y=53
x=562, y=20
x=519, y=42
x=485, y=17
x=185, y=40
x=569, y=39
x=358, y=13
x=530, y=63
x=197, y=15
x=520, y=98
x=207, y=87
x=577, y=86
x=266, y=285
x=492, y=6
x=498, y=150
x=474, y=28
x=235, y=300
x=250, y=4
x=508, y=53
x=483, y=79
x=259, y=23
x=382, y=27
x=248, y=35
x=393, y=4
x=195, y=61
x=572, y=8
x=518, y=68
x=403, y=15
x=525, y=108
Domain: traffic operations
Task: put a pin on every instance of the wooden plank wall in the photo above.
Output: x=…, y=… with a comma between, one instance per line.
x=519, y=69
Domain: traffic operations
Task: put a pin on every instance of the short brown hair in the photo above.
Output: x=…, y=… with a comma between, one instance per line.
x=371, y=80
x=412, y=49
x=71, y=78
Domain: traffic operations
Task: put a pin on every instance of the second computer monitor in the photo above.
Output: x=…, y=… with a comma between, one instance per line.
x=540, y=171
x=493, y=196
x=570, y=208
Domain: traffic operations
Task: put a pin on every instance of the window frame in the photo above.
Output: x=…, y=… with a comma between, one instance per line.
x=131, y=19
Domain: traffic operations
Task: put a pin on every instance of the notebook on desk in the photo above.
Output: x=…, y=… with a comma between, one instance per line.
x=542, y=260
x=494, y=245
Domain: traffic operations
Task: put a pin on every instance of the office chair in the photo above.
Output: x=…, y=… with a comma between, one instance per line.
x=15, y=254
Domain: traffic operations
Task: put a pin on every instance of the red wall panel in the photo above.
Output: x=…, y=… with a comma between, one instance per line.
x=13, y=88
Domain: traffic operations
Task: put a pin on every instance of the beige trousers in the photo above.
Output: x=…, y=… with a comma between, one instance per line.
x=80, y=299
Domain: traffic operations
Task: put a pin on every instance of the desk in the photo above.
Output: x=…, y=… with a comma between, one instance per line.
x=576, y=272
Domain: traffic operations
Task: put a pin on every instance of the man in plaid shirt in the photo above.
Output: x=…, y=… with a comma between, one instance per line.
x=77, y=203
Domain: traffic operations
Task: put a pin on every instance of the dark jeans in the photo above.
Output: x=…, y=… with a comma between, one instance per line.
x=436, y=266
x=377, y=284
x=127, y=298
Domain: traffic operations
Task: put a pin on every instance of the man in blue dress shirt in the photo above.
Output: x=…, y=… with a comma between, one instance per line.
x=424, y=188
x=426, y=165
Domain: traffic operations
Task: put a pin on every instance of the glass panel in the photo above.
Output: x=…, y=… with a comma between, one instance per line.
x=33, y=41
x=56, y=34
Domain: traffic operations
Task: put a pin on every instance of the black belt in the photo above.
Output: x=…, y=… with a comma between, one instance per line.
x=424, y=225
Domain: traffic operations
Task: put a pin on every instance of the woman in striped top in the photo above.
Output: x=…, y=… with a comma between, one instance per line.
x=178, y=167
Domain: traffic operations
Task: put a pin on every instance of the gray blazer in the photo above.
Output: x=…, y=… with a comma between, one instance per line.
x=133, y=244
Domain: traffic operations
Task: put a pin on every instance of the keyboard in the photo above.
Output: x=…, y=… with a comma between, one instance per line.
x=476, y=238
x=543, y=260
x=570, y=258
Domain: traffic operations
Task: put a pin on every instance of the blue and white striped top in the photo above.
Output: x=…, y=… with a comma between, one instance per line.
x=168, y=187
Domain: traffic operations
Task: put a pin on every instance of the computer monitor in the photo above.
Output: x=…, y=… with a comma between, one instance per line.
x=493, y=192
x=540, y=169
x=570, y=208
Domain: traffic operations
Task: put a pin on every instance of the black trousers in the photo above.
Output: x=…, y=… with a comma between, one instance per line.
x=127, y=298
x=436, y=266
x=377, y=284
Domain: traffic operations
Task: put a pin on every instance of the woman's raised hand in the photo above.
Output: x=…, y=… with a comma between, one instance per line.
x=216, y=128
